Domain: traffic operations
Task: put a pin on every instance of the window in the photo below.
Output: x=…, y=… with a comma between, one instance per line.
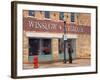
x=47, y=14
x=33, y=46
x=61, y=16
x=31, y=13
x=39, y=46
x=46, y=46
x=72, y=17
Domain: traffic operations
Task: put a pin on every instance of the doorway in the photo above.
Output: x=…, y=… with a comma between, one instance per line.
x=72, y=42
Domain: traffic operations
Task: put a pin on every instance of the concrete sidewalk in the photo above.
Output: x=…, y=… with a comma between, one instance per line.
x=60, y=64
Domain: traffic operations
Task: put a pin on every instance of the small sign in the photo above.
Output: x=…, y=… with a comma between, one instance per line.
x=65, y=37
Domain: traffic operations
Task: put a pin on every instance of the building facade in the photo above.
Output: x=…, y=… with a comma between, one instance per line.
x=43, y=35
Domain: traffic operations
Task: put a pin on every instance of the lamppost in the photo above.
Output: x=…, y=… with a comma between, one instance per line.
x=65, y=39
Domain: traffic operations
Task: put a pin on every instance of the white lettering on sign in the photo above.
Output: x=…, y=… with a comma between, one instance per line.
x=46, y=26
x=31, y=24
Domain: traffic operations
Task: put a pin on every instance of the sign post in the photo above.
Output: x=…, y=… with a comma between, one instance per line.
x=65, y=39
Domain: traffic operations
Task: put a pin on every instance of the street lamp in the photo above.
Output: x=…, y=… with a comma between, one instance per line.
x=65, y=39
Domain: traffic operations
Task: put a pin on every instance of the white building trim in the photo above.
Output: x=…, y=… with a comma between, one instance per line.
x=49, y=35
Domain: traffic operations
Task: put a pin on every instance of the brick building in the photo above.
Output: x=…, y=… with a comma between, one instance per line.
x=43, y=34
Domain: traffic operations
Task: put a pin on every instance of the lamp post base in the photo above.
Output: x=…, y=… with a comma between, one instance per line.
x=65, y=61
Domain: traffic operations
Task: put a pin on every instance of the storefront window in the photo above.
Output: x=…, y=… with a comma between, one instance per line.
x=39, y=46
x=46, y=49
x=33, y=46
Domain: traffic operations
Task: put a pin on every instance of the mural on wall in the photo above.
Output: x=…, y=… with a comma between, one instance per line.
x=47, y=49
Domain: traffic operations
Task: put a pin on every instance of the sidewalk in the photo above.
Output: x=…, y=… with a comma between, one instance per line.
x=76, y=62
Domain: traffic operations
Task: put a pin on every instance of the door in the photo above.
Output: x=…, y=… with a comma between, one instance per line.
x=61, y=49
x=72, y=42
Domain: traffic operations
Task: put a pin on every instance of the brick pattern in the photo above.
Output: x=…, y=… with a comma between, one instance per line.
x=25, y=13
x=39, y=14
x=83, y=46
x=83, y=42
x=55, y=49
x=25, y=48
x=84, y=19
x=54, y=15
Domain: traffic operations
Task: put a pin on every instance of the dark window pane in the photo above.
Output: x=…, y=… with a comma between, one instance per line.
x=72, y=17
x=61, y=15
x=31, y=13
x=61, y=49
x=47, y=14
x=46, y=49
x=33, y=46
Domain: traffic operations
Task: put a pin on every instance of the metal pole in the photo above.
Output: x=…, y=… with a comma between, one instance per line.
x=65, y=42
